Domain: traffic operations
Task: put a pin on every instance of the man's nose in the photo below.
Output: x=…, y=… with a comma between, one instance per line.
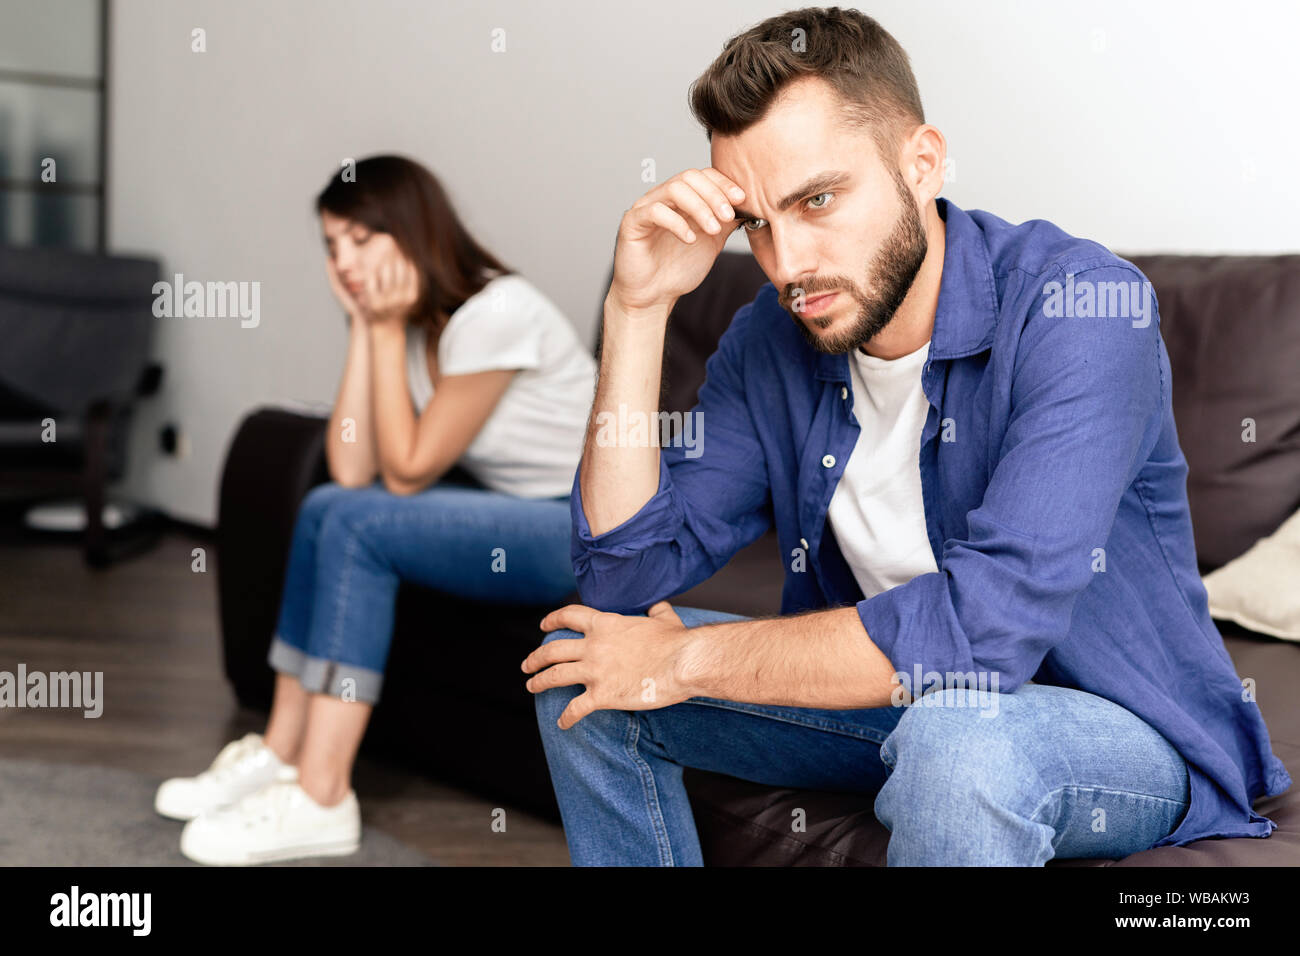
x=792, y=264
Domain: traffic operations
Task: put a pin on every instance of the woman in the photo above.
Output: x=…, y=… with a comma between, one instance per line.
x=452, y=359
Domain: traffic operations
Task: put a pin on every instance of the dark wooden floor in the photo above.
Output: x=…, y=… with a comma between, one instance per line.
x=150, y=624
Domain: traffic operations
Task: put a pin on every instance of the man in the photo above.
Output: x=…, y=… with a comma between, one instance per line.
x=962, y=431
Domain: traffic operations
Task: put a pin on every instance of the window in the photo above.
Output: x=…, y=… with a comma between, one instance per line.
x=52, y=93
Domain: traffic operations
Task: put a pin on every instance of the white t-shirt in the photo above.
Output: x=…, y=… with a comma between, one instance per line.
x=531, y=443
x=876, y=510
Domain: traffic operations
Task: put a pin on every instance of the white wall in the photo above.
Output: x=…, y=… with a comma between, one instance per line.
x=1149, y=126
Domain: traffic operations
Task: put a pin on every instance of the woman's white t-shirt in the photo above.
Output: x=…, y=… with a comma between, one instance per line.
x=531, y=443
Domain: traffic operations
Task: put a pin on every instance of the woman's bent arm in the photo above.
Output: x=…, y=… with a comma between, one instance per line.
x=413, y=453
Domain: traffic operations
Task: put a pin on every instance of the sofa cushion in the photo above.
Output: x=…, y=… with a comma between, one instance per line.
x=1259, y=589
x=1231, y=325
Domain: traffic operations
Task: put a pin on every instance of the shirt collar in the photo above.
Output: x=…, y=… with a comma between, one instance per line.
x=967, y=310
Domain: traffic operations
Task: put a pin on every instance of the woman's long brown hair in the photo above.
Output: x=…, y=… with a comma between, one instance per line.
x=398, y=196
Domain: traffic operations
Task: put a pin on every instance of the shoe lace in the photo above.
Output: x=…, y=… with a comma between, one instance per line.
x=268, y=804
x=237, y=757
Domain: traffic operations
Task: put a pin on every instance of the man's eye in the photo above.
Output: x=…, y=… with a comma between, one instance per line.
x=753, y=225
x=362, y=239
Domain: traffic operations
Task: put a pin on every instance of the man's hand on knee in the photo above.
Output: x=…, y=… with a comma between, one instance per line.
x=625, y=662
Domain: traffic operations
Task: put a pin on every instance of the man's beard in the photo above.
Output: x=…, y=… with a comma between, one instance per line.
x=893, y=269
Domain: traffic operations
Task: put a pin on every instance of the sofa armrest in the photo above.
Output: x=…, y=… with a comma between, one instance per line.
x=276, y=457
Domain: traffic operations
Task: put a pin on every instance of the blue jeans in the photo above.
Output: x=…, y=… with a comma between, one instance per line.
x=959, y=778
x=353, y=546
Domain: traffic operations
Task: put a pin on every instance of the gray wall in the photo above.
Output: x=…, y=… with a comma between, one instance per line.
x=1178, y=113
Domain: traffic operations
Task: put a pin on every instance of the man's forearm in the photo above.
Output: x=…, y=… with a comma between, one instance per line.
x=616, y=480
x=823, y=660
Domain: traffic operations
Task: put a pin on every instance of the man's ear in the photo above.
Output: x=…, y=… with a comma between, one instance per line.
x=923, y=156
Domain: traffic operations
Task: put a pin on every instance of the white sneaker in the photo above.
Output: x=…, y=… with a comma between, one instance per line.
x=244, y=766
x=279, y=822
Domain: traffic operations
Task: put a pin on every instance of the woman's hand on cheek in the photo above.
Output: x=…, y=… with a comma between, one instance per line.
x=392, y=288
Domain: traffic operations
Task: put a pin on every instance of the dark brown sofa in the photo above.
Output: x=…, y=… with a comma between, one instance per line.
x=458, y=709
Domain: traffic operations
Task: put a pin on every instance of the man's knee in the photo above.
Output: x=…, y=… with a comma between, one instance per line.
x=550, y=703
x=563, y=634
x=949, y=720
x=956, y=743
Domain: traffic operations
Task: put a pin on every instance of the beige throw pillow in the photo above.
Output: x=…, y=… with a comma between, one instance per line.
x=1260, y=590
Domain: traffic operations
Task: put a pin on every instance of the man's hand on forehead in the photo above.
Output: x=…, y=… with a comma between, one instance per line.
x=659, y=256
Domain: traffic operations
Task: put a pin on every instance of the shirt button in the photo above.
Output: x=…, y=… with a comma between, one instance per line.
x=803, y=543
x=844, y=391
x=828, y=461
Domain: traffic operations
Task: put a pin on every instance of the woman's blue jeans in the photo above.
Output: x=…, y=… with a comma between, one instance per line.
x=959, y=778
x=353, y=546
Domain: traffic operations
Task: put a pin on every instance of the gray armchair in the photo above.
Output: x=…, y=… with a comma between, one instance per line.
x=75, y=334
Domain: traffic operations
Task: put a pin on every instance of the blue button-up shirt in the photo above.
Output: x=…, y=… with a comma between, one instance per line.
x=1054, y=491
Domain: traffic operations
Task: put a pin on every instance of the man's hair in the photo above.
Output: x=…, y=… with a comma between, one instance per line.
x=866, y=67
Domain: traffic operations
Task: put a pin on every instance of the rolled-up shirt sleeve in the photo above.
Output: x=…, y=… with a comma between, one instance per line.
x=1087, y=401
x=713, y=499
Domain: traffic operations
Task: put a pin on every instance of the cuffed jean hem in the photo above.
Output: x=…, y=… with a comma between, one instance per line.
x=319, y=676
